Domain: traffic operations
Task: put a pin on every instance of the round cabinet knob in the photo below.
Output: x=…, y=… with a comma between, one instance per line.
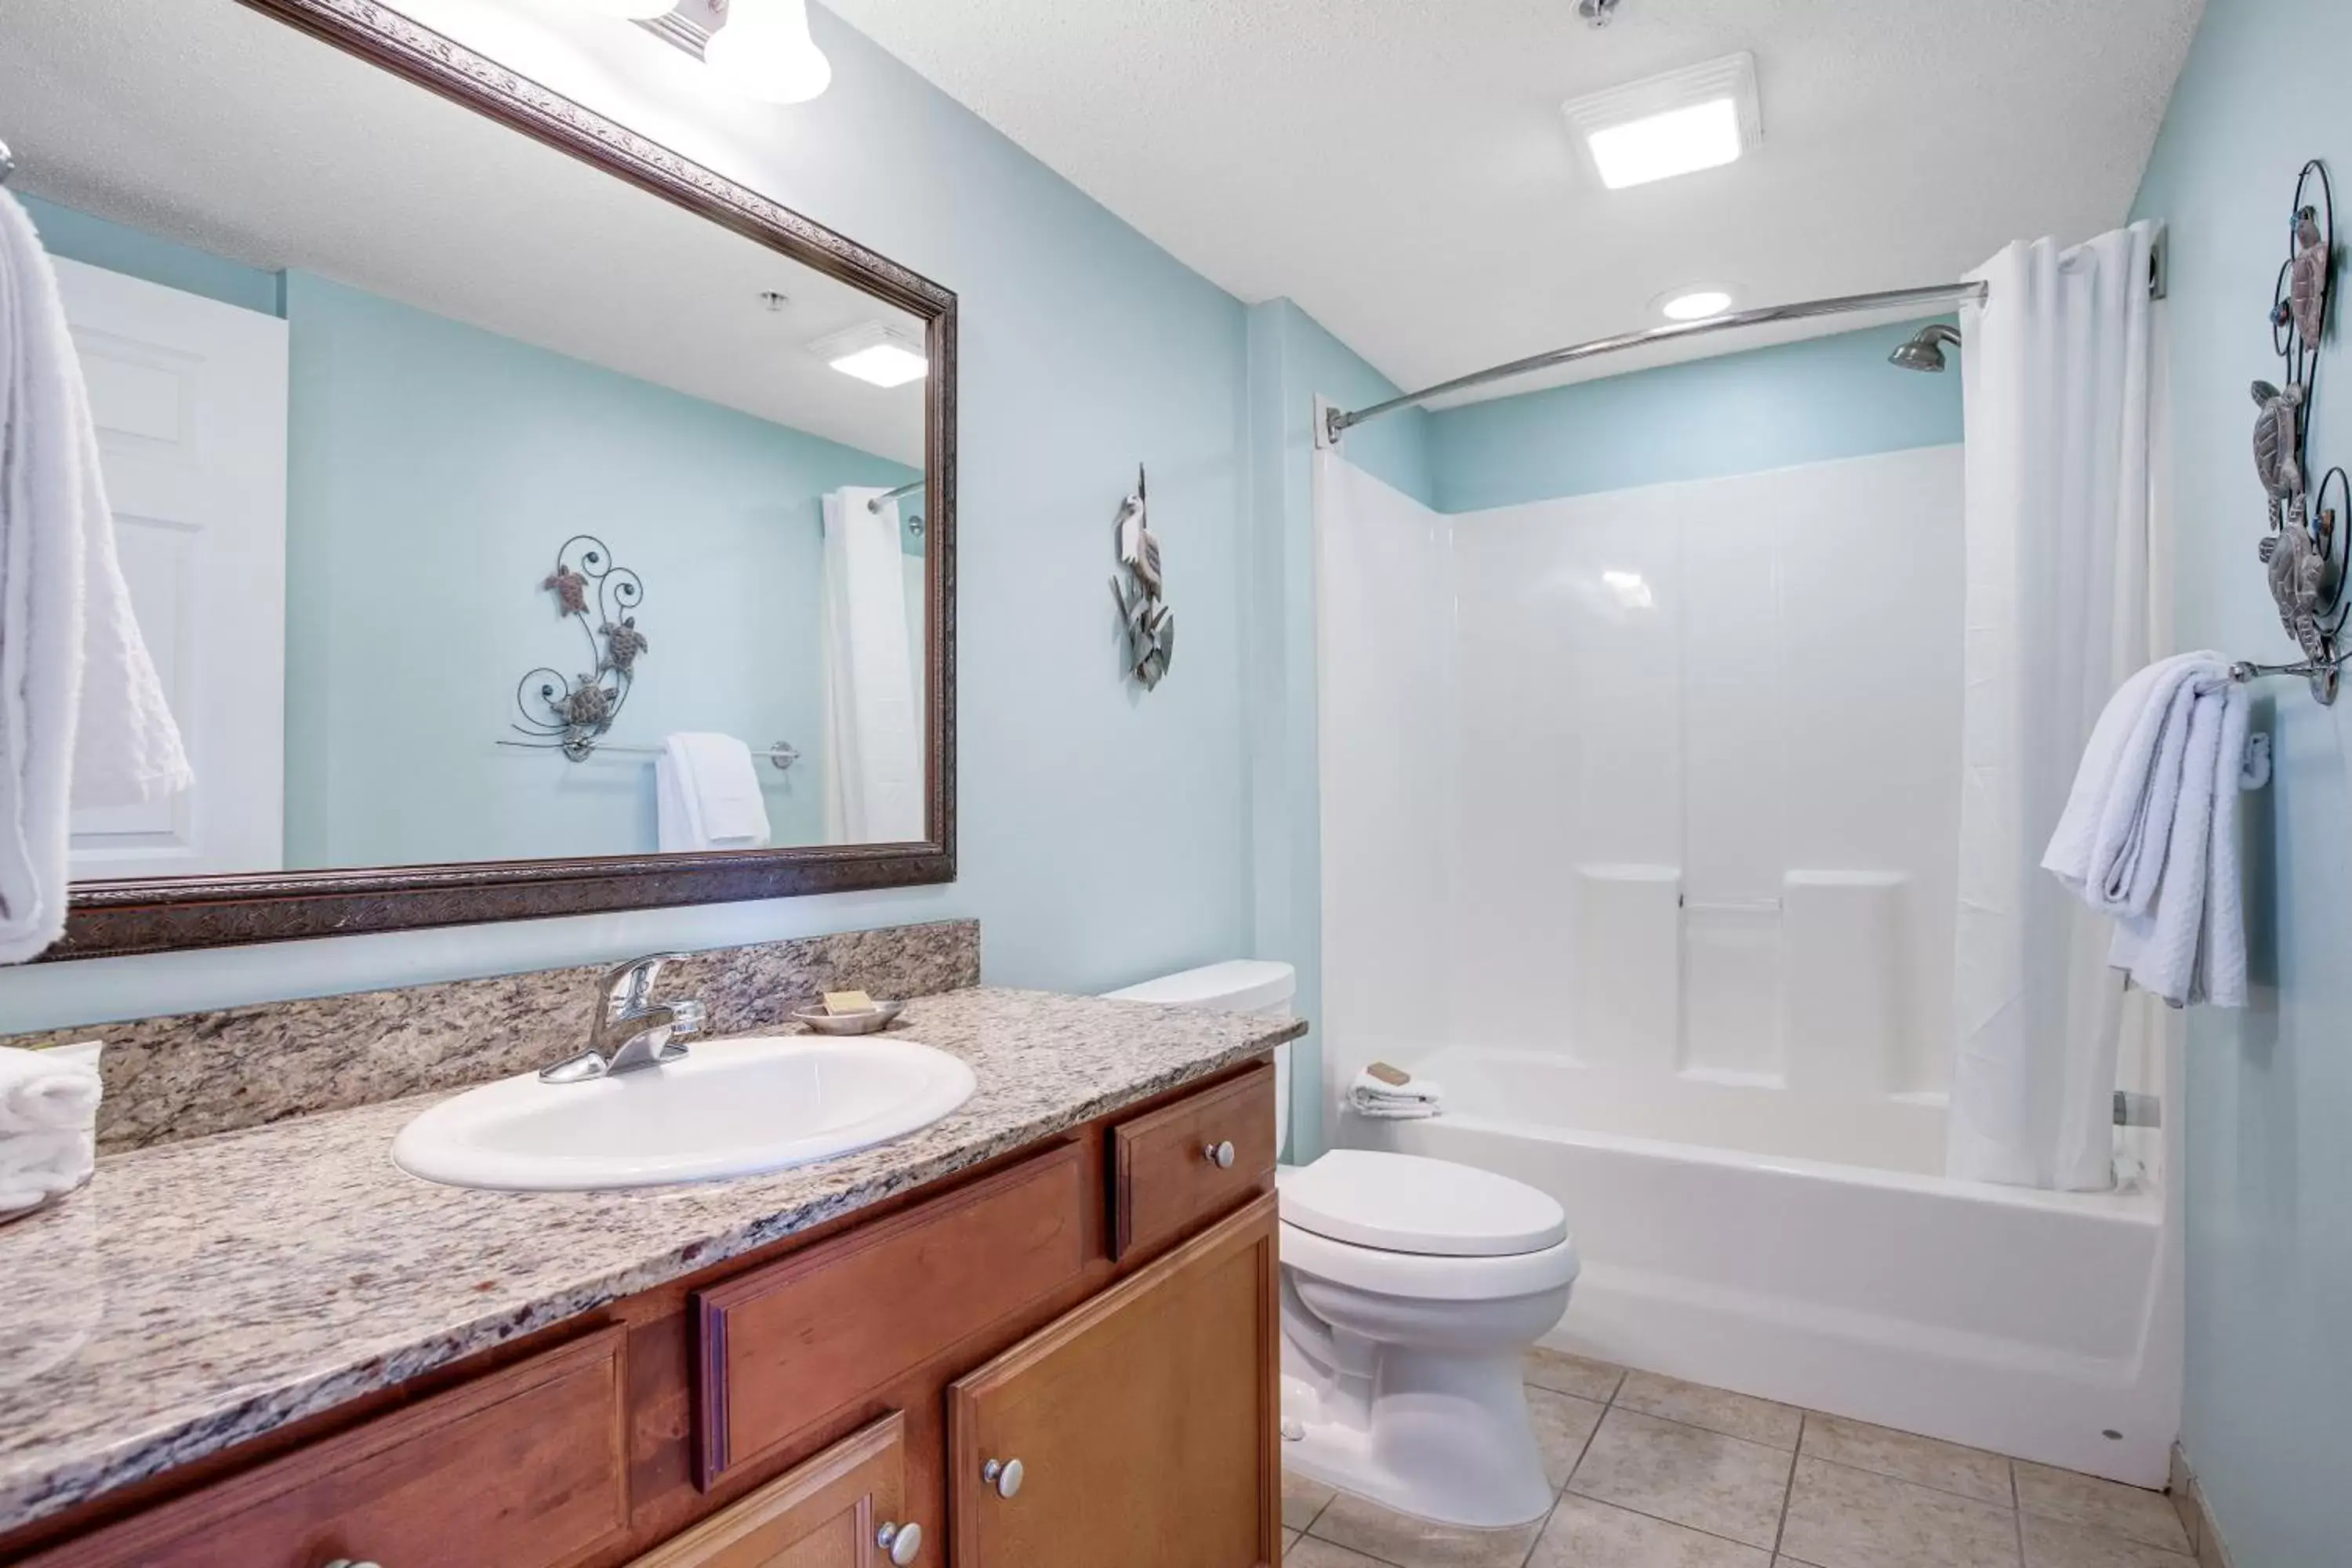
x=902, y=1542
x=1220, y=1155
x=348, y=1563
x=1003, y=1475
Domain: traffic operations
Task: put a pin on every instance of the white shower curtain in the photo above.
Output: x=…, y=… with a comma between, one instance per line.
x=873, y=766
x=2056, y=376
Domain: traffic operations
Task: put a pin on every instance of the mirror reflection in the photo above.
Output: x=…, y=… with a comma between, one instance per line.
x=475, y=505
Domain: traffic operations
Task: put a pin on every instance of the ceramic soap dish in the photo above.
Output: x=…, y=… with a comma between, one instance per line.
x=872, y=1021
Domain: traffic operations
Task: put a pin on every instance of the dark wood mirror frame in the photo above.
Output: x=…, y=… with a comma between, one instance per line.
x=162, y=914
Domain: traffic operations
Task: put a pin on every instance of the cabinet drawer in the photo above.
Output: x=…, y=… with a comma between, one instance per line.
x=1164, y=1179
x=1143, y=1422
x=522, y=1469
x=829, y=1513
x=785, y=1346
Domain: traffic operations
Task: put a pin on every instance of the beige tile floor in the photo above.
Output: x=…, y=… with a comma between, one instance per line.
x=1653, y=1473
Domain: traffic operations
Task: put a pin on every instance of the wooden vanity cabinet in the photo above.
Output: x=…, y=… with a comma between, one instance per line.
x=777, y=1410
x=845, y=1509
x=1140, y=1429
x=523, y=1468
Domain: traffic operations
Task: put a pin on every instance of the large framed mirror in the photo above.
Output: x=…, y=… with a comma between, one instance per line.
x=524, y=520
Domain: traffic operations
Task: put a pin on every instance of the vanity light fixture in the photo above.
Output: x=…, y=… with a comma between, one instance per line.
x=1701, y=117
x=765, y=52
x=1694, y=304
x=874, y=351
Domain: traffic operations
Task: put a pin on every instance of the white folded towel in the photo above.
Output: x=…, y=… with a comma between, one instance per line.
x=2149, y=834
x=1382, y=1101
x=707, y=794
x=2109, y=845
x=46, y=1092
x=38, y=1165
x=82, y=716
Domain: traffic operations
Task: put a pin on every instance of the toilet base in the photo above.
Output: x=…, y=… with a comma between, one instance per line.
x=1449, y=1440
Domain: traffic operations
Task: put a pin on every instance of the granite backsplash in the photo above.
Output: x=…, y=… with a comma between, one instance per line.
x=196, y=1073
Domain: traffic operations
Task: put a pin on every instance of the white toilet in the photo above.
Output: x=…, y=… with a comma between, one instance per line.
x=1412, y=1290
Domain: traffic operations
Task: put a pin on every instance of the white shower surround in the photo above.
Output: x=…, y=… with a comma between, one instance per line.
x=1640, y=814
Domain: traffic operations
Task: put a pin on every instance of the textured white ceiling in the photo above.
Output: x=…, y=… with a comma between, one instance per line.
x=1400, y=168
x=205, y=121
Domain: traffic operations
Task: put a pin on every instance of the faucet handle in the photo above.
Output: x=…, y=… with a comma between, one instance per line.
x=630, y=985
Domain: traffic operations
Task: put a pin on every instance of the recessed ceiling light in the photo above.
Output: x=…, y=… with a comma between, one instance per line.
x=874, y=351
x=1702, y=117
x=1694, y=305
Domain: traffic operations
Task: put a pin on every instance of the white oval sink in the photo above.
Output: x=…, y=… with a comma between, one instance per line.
x=730, y=1108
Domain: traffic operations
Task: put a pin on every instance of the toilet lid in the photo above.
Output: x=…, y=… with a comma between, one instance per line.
x=1405, y=1203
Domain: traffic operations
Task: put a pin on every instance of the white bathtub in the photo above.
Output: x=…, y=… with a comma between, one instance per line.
x=2045, y=1325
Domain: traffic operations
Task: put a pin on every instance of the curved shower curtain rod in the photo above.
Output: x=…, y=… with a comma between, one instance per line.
x=1336, y=422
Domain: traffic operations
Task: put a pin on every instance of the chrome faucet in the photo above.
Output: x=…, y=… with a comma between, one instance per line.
x=631, y=1030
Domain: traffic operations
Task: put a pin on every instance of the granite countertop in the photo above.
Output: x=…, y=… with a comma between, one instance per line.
x=199, y=1294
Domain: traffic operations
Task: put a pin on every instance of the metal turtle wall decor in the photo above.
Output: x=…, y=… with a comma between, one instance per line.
x=571, y=713
x=2303, y=551
x=1149, y=622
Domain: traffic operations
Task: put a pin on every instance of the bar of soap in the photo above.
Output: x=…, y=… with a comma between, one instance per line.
x=1396, y=1077
x=839, y=1002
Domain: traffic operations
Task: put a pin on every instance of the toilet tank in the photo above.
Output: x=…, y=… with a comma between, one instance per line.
x=1236, y=985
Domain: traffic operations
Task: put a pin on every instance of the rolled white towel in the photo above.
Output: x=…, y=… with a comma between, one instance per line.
x=46, y=1092
x=37, y=1166
x=1407, y=1101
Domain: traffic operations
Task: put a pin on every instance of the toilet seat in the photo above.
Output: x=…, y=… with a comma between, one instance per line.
x=1413, y=1277
x=1430, y=1208
x=1406, y=1226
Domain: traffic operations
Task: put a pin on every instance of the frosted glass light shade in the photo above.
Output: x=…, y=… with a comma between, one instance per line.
x=765, y=52
x=629, y=10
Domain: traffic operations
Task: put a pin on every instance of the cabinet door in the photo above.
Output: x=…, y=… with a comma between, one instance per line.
x=522, y=1467
x=829, y=1513
x=1143, y=1424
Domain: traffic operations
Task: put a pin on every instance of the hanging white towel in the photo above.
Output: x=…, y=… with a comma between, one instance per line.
x=2149, y=835
x=46, y=1092
x=707, y=794
x=82, y=716
x=2110, y=842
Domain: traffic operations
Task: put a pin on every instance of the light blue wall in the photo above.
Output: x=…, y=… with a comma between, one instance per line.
x=1293, y=361
x=81, y=237
x=1104, y=833
x=2268, y=1187
x=1737, y=413
x=435, y=469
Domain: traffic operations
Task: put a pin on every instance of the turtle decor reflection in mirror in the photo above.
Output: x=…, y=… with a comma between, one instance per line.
x=2303, y=552
x=573, y=714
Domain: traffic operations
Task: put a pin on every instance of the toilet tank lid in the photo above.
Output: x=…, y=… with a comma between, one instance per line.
x=1407, y=1203
x=1238, y=985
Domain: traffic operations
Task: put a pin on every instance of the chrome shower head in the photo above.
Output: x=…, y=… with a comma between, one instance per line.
x=1924, y=350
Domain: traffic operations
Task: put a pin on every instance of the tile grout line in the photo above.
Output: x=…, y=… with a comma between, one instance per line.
x=1789, y=1488
x=2017, y=1511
